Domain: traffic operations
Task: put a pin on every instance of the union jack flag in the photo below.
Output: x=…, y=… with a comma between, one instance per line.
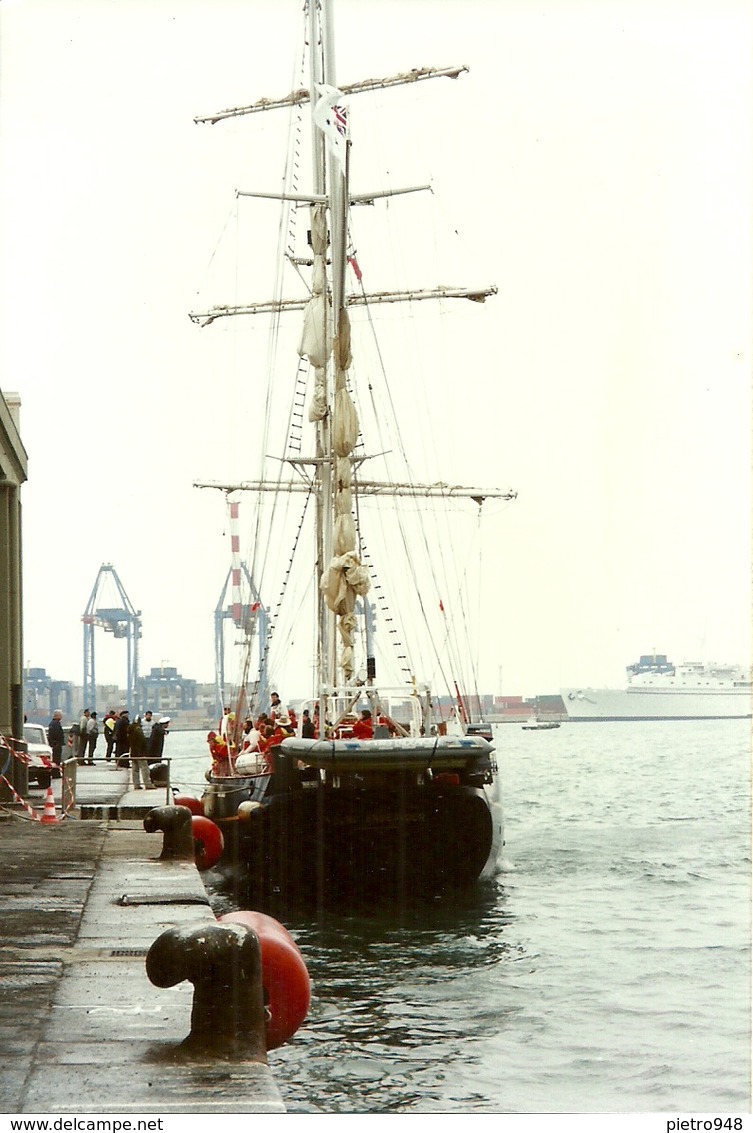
x=341, y=120
x=331, y=116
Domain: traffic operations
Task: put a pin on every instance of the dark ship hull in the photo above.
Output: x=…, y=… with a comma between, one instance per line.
x=309, y=835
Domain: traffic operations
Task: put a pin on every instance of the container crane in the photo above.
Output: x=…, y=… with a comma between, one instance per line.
x=122, y=621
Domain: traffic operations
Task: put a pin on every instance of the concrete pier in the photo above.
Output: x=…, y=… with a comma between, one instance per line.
x=81, y=1027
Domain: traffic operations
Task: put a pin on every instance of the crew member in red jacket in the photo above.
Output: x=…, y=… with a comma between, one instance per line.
x=363, y=729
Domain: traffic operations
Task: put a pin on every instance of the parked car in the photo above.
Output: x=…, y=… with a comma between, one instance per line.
x=41, y=767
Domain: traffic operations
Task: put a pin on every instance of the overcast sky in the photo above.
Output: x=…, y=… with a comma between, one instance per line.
x=595, y=164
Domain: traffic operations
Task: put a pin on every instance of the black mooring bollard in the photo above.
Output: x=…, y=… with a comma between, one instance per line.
x=223, y=962
x=176, y=822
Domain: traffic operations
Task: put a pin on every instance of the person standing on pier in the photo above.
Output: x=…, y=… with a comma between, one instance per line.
x=155, y=743
x=108, y=727
x=139, y=762
x=147, y=724
x=56, y=737
x=83, y=726
x=92, y=734
x=121, y=737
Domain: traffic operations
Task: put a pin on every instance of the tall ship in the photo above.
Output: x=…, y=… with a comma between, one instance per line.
x=368, y=788
x=658, y=690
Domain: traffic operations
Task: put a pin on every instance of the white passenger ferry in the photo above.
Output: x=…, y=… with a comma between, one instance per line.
x=658, y=690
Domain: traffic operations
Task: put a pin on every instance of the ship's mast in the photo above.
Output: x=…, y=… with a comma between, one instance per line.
x=337, y=221
x=318, y=64
x=341, y=579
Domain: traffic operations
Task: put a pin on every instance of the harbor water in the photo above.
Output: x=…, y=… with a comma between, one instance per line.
x=605, y=970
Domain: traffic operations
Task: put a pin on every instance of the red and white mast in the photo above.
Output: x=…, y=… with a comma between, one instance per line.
x=235, y=570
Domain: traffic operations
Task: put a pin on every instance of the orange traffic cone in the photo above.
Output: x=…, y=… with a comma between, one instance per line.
x=49, y=814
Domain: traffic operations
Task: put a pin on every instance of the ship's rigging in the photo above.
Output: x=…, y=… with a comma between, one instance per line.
x=333, y=476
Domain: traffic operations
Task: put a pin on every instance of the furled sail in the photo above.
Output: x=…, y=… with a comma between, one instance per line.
x=315, y=336
x=344, y=578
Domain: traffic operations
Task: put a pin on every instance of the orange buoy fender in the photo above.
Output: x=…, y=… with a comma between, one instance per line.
x=287, y=987
x=208, y=842
x=195, y=806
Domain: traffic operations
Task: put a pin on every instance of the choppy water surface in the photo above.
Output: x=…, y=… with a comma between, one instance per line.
x=606, y=970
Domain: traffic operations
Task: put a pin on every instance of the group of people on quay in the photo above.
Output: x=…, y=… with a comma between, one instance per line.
x=140, y=741
x=247, y=752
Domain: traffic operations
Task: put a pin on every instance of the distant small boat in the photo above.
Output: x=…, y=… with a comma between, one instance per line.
x=535, y=725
